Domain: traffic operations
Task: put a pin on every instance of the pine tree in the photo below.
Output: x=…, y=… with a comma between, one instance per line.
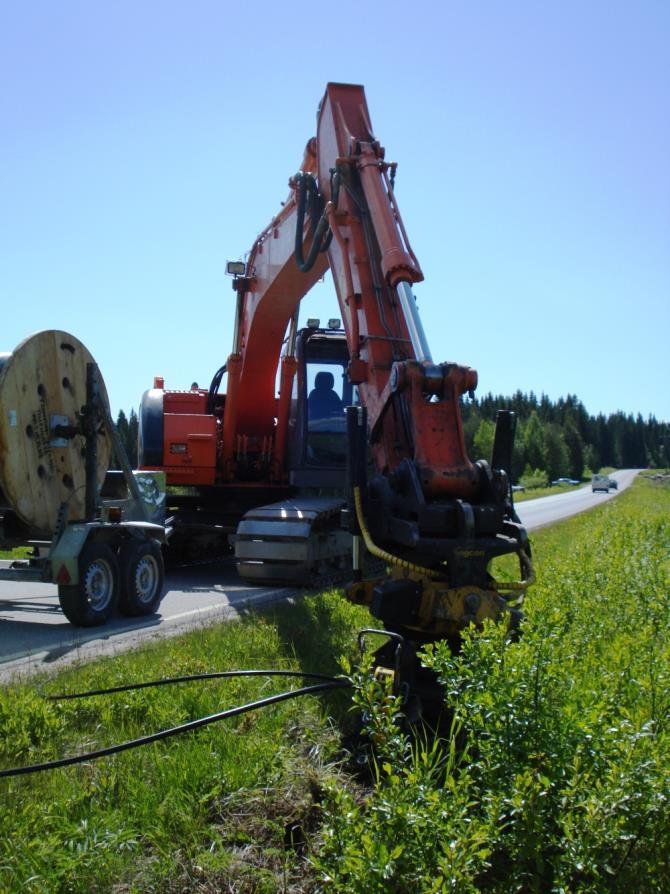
x=591, y=458
x=131, y=440
x=534, y=442
x=556, y=461
x=122, y=426
x=575, y=447
x=483, y=441
x=128, y=430
x=617, y=440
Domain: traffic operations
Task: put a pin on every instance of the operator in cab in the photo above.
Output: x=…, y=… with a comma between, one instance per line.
x=323, y=401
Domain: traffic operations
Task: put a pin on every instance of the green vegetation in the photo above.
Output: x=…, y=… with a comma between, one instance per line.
x=537, y=491
x=21, y=552
x=556, y=777
x=534, y=493
x=557, y=774
x=560, y=439
x=128, y=428
x=197, y=811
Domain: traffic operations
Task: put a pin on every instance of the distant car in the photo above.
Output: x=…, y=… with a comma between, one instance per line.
x=601, y=483
x=614, y=484
x=560, y=481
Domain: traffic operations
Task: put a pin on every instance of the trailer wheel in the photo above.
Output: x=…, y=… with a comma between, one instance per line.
x=92, y=601
x=142, y=578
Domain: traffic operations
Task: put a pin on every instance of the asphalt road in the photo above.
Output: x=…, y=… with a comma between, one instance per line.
x=36, y=637
x=537, y=513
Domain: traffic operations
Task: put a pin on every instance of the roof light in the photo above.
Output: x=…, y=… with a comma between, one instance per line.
x=236, y=268
x=313, y=323
x=334, y=323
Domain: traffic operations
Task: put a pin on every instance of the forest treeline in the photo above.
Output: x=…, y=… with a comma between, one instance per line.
x=556, y=439
x=553, y=439
x=128, y=427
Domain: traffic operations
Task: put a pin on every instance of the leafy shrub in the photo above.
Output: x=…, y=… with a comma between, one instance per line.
x=414, y=830
x=533, y=478
x=563, y=780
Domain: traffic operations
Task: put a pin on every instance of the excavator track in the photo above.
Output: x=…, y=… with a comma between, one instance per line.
x=297, y=542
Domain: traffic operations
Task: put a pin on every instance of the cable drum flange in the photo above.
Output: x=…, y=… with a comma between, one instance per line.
x=42, y=459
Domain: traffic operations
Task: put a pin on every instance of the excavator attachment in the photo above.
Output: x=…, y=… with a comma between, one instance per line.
x=438, y=553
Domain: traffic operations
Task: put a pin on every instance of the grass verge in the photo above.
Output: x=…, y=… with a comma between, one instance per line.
x=216, y=810
x=559, y=780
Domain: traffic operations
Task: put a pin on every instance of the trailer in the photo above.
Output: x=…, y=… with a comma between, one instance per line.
x=96, y=534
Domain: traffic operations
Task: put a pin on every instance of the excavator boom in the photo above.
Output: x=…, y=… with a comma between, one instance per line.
x=432, y=516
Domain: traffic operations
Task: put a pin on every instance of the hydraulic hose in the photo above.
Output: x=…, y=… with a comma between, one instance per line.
x=169, y=681
x=174, y=731
x=380, y=553
x=373, y=549
x=214, y=388
x=521, y=585
x=322, y=234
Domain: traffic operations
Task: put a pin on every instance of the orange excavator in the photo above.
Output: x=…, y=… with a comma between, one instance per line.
x=361, y=451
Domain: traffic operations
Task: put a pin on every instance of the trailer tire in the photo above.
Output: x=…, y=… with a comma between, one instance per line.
x=93, y=600
x=142, y=578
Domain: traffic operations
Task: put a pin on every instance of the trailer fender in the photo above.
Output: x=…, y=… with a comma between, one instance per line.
x=65, y=554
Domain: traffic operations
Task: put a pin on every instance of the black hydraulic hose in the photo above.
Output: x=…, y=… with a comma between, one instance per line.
x=210, y=675
x=214, y=388
x=173, y=731
x=322, y=234
x=306, y=187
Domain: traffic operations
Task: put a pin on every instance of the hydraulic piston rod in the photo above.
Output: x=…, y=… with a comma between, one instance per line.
x=414, y=325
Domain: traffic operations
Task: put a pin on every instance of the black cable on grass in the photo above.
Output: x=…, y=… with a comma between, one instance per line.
x=168, y=681
x=173, y=731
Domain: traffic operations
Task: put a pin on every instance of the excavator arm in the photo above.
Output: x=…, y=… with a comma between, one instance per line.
x=268, y=299
x=435, y=518
x=344, y=174
x=412, y=403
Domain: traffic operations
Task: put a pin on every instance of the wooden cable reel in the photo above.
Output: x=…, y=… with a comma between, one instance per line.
x=43, y=385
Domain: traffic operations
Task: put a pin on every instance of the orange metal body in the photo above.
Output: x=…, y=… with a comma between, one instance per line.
x=405, y=422
x=189, y=438
x=368, y=256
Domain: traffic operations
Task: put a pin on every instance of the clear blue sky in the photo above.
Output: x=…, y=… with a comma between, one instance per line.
x=144, y=143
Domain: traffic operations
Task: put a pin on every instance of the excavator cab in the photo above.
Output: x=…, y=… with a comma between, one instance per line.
x=299, y=539
x=321, y=392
